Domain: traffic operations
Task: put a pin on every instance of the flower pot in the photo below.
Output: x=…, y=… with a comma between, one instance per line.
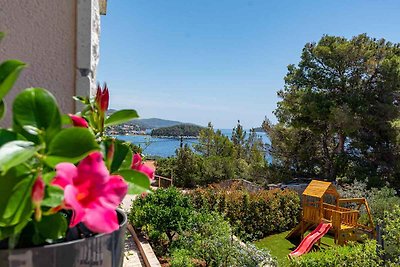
x=104, y=250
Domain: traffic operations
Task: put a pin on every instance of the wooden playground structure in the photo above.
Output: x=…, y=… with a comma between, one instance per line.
x=322, y=204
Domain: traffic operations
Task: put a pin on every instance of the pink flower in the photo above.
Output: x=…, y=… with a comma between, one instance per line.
x=102, y=97
x=37, y=196
x=78, y=121
x=91, y=193
x=138, y=165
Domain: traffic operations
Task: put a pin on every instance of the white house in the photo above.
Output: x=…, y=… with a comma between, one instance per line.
x=58, y=39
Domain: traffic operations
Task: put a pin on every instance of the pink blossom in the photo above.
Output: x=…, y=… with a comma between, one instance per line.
x=91, y=192
x=78, y=121
x=37, y=196
x=138, y=165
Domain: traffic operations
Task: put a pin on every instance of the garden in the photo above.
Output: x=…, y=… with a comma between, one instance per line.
x=62, y=179
x=233, y=227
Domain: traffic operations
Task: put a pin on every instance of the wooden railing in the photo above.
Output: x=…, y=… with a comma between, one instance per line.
x=349, y=218
x=159, y=178
x=333, y=207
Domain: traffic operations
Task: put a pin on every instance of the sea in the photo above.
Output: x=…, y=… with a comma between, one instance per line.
x=166, y=147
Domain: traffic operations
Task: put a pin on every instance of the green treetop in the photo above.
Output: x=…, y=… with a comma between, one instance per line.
x=336, y=111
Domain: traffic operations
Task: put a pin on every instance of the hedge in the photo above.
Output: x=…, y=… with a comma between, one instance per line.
x=253, y=215
x=352, y=255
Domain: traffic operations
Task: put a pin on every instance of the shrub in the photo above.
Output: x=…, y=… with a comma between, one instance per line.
x=209, y=242
x=208, y=239
x=249, y=255
x=252, y=215
x=391, y=236
x=181, y=258
x=162, y=215
x=379, y=200
x=352, y=255
x=193, y=238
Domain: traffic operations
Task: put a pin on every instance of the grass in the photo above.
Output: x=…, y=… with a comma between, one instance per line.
x=281, y=247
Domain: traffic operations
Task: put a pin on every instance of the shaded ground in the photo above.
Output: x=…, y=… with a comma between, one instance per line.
x=280, y=247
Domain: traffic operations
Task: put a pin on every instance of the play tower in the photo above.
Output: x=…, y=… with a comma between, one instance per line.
x=324, y=210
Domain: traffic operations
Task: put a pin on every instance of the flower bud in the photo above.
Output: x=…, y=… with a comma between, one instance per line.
x=78, y=121
x=102, y=97
x=37, y=196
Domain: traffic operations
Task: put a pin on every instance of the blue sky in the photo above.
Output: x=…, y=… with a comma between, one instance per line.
x=221, y=60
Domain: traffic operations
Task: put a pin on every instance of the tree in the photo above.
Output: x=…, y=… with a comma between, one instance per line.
x=213, y=143
x=186, y=168
x=336, y=111
x=239, y=140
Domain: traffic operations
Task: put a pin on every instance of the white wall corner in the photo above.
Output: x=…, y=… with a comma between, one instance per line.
x=87, y=47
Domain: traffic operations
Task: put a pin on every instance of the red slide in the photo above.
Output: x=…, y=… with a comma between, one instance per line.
x=307, y=243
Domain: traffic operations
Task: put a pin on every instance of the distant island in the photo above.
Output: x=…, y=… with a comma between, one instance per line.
x=181, y=130
x=144, y=126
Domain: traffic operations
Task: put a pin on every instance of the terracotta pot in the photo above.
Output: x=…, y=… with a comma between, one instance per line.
x=103, y=250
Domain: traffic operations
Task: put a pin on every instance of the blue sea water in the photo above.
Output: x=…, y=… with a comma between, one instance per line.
x=166, y=147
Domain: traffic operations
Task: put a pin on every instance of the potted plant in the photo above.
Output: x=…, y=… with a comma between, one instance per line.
x=62, y=180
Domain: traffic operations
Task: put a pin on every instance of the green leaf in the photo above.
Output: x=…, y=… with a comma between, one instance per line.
x=48, y=176
x=66, y=120
x=122, y=152
x=54, y=195
x=121, y=116
x=7, y=136
x=14, y=153
x=9, y=72
x=38, y=108
x=71, y=145
x=51, y=228
x=2, y=34
x=138, y=182
x=15, y=193
x=14, y=230
x=2, y=108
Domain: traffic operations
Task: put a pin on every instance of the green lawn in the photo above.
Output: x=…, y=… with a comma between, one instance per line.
x=280, y=247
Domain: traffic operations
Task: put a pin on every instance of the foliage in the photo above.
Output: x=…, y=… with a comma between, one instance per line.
x=181, y=258
x=162, y=215
x=391, y=236
x=379, y=200
x=186, y=167
x=336, y=112
x=192, y=237
x=217, y=159
x=252, y=215
x=178, y=130
x=351, y=255
x=42, y=139
x=210, y=242
x=213, y=143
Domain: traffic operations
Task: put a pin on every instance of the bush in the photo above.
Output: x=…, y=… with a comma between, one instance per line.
x=379, y=200
x=352, y=255
x=181, y=258
x=192, y=238
x=208, y=239
x=252, y=215
x=209, y=242
x=162, y=215
x=391, y=236
x=249, y=255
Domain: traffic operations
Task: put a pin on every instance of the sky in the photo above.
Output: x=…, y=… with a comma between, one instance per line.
x=221, y=61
